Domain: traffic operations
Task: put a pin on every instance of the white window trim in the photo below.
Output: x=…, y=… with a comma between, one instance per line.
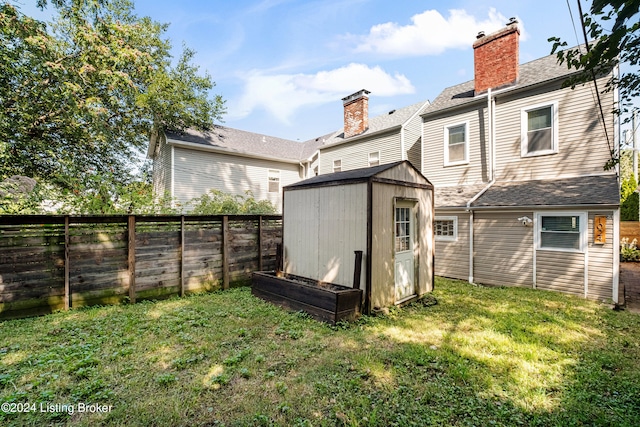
x=466, y=144
x=374, y=152
x=334, y=165
x=273, y=173
x=584, y=235
x=524, y=146
x=455, y=229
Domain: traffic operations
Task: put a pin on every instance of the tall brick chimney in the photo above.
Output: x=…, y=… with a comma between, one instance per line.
x=496, y=58
x=356, y=113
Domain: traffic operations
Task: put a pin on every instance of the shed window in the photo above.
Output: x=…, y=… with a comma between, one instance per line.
x=539, y=130
x=337, y=165
x=446, y=228
x=562, y=231
x=403, y=229
x=456, y=145
x=374, y=158
x=274, y=181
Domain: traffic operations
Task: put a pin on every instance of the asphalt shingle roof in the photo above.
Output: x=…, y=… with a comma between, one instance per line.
x=456, y=197
x=586, y=190
x=534, y=72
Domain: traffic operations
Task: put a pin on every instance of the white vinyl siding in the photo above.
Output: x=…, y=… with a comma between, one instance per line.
x=560, y=273
x=162, y=171
x=539, y=130
x=434, y=148
x=601, y=259
x=197, y=172
x=456, y=144
x=413, y=142
x=581, y=142
x=503, y=249
x=452, y=256
x=355, y=155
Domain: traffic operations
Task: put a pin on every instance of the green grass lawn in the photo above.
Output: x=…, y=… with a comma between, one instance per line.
x=481, y=356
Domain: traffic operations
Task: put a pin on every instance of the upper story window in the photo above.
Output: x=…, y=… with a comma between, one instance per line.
x=539, y=126
x=337, y=165
x=456, y=144
x=374, y=158
x=274, y=181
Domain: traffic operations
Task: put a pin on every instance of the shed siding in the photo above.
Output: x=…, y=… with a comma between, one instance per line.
x=197, y=172
x=403, y=174
x=503, y=249
x=560, y=271
x=382, y=265
x=323, y=226
x=433, y=150
x=600, y=279
x=452, y=258
x=355, y=155
x=582, y=144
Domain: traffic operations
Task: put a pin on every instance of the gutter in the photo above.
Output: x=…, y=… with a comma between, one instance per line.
x=471, y=221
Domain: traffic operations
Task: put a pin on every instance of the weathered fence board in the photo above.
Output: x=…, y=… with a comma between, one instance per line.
x=630, y=230
x=49, y=263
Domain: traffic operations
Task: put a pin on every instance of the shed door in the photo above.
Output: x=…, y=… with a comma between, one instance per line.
x=404, y=250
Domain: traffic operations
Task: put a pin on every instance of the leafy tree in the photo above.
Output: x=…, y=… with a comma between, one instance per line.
x=618, y=45
x=629, y=200
x=79, y=98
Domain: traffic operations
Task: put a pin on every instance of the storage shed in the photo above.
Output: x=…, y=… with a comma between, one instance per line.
x=385, y=211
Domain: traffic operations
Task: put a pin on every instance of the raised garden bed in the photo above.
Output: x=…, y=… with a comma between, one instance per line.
x=323, y=301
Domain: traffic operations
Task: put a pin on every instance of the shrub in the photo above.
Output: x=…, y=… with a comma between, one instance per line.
x=629, y=250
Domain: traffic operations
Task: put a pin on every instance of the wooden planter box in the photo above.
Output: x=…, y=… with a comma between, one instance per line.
x=323, y=301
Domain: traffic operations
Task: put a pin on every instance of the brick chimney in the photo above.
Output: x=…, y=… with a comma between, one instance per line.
x=356, y=113
x=496, y=58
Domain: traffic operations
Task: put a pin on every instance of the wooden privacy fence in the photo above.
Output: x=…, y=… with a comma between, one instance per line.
x=630, y=230
x=49, y=263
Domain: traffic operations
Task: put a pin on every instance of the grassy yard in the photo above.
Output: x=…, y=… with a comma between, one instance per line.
x=481, y=356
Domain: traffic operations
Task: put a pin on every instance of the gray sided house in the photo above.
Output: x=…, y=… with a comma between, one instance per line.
x=385, y=211
x=517, y=162
x=190, y=164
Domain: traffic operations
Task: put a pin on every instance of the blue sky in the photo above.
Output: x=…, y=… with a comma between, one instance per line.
x=284, y=65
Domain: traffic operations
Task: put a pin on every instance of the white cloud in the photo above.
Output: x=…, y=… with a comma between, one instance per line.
x=283, y=94
x=429, y=33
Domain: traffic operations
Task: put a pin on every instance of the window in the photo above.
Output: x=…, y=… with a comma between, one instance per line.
x=562, y=231
x=446, y=228
x=456, y=147
x=374, y=158
x=274, y=181
x=539, y=130
x=403, y=229
x=337, y=165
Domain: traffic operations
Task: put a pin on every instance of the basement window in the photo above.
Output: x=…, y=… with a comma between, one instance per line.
x=446, y=228
x=274, y=181
x=562, y=231
x=539, y=125
x=456, y=144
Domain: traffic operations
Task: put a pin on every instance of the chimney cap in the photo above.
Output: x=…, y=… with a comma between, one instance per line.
x=356, y=95
x=512, y=20
x=480, y=35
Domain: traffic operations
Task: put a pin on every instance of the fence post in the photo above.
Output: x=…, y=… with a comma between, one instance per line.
x=67, y=241
x=260, y=243
x=181, y=255
x=225, y=252
x=131, y=226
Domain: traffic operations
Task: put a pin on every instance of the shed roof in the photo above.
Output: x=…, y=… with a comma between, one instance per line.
x=350, y=176
x=585, y=190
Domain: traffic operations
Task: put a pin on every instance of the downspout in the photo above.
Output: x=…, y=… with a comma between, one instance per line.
x=491, y=172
